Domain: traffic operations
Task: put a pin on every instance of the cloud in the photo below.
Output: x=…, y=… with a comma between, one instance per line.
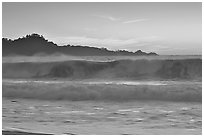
x=111, y=18
x=149, y=43
x=109, y=42
x=134, y=21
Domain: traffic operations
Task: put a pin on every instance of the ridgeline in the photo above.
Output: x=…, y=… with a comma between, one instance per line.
x=36, y=44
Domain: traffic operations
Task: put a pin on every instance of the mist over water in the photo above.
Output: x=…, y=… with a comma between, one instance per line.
x=61, y=57
x=127, y=79
x=140, y=69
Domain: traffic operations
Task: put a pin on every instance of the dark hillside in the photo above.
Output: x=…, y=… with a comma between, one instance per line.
x=36, y=44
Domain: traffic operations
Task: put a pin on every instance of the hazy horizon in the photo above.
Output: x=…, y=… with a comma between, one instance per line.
x=164, y=28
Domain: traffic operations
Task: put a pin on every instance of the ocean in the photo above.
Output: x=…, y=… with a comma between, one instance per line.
x=102, y=95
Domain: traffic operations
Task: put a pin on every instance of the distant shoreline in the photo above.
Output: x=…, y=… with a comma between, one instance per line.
x=36, y=44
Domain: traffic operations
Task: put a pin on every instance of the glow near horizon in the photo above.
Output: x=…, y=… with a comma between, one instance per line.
x=164, y=28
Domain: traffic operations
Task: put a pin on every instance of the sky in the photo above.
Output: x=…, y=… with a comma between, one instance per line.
x=165, y=28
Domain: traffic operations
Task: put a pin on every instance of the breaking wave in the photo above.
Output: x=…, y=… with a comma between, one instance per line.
x=114, y=80
x=120, y=69
x=113, y=91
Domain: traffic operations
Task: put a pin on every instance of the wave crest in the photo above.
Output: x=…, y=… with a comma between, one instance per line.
x=124, y=69
x=114, y=92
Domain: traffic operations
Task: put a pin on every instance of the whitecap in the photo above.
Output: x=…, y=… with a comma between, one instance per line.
x=124, y=110
x=97, y=108
x=90, y=113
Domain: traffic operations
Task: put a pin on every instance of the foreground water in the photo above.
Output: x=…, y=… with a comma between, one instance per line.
x=102, y=107
x=97, y=117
